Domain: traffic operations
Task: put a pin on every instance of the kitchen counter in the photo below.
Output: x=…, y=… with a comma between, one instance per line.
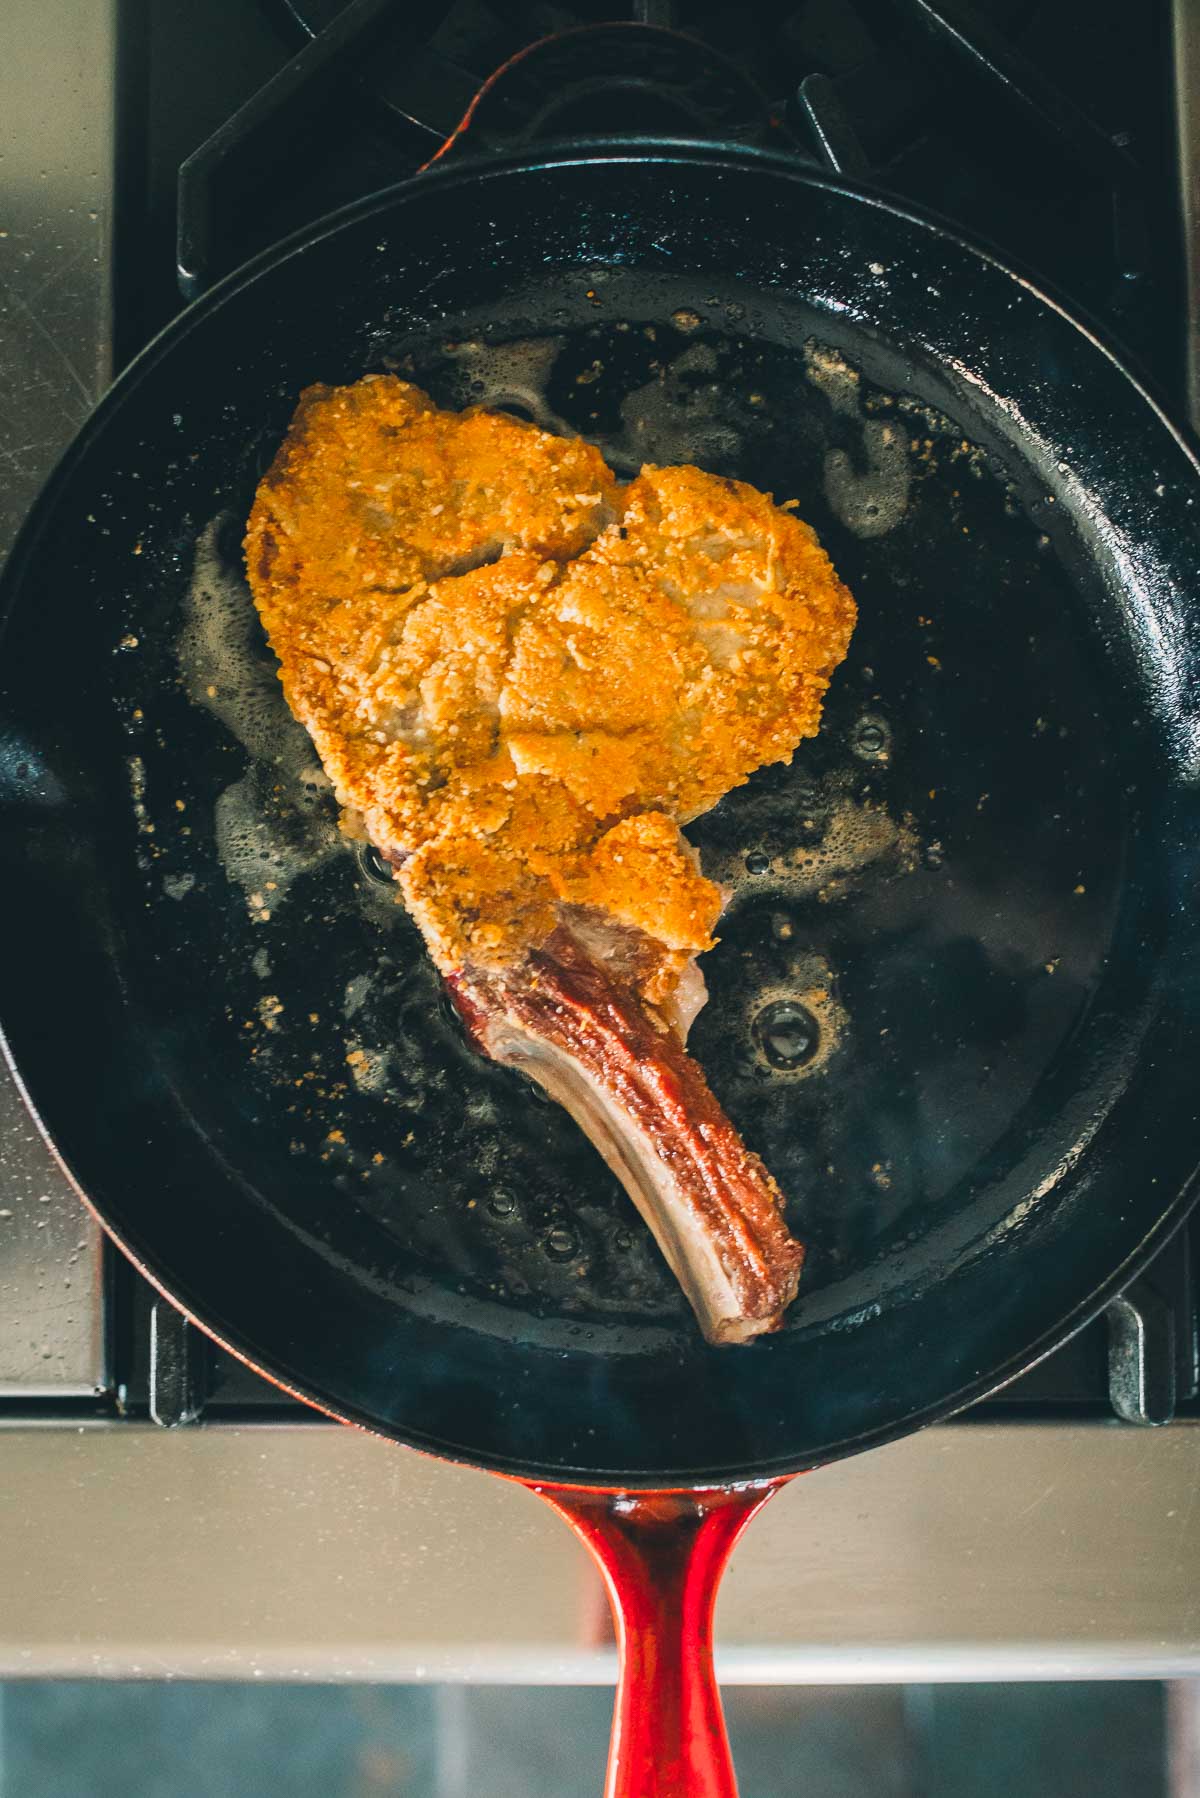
x=311, y=1552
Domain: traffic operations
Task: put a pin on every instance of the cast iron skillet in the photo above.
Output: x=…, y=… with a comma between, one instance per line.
x=975, y=890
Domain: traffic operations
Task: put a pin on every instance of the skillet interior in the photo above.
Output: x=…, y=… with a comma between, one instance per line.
x=973, y=883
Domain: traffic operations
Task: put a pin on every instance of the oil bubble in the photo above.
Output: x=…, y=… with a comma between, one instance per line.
x=871, y=739
x=787, y=1033
x=561, y=1243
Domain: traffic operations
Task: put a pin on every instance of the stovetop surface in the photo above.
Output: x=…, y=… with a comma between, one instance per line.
x=992, y=143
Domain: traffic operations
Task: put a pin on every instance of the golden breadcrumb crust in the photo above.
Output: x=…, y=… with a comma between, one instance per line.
x=529, y=733
x=374, y=488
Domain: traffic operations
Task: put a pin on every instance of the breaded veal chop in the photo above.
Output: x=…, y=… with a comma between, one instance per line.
x=522, y=678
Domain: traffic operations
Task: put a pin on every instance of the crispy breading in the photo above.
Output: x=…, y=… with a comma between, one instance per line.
x=375, y=488
x=700, y=631
x=526, y=735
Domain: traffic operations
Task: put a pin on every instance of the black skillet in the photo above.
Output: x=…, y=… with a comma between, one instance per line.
x=955, y=1006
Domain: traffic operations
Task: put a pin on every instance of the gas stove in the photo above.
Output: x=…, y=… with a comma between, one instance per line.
x=153, y=149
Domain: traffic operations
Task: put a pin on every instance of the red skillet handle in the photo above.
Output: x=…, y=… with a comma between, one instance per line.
x=662, y=1555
